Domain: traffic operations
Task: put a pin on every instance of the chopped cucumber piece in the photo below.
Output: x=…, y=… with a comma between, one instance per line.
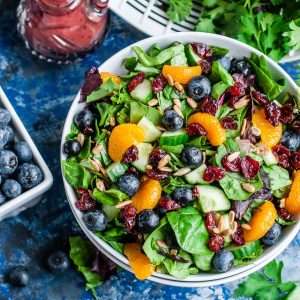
x=139, y=110
x=115, y=170
x=192, y=57
x=196, y=176
x=174, y=138
x=110, y=211
x=269, y=158
x=143, y=91
x=173, y=149
x=212, y=198
x=179, y=60
x=294, y=294
x=151, y=132
x=144, y=150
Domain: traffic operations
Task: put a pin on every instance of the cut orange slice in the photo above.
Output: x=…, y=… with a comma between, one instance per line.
x=106, y=75
x=292, y=202
x=181, y=74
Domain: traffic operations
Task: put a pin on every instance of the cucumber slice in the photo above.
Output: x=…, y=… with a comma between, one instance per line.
x=179, y=60
x=144, y=150
x=226, y=226
x=294, y=294
x=173, y=149
x=212, y=198
x=174, y=138
x=115, y=170
x=192, y=57
x=151, y=132
x=138, y=110
x=110, y=211
x=143, y=91
x=196, y=176
x=269, y=158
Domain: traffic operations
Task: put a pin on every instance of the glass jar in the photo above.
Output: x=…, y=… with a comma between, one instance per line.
x=62, y=30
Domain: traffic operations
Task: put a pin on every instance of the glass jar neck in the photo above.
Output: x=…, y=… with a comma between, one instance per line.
x=58, y=7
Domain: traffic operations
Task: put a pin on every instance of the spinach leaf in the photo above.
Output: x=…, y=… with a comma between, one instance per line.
x=284, y=223
x=73, y=132
x=190, y=230
x=107, y=111
x=105, y=89
x=121, y=95
x=172, y=93
x=240, y=115
x=232, y=145
x=221, y=152
x=173, y=149
x=149, y=71
x=103, y=156
x=154, y=50
x=255, y=204
x=123, y=115
x=85, y=149
x=113, y=236
x=223, y=111
x=109, y=197
x=200, y=142
x=204, y=262
x=130, y=63
x=218, y=89
x=219, y=73
x=218, y=51
x=100, y=135
x=163, y=101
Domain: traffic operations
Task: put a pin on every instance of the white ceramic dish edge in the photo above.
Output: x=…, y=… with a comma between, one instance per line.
x=114, y=65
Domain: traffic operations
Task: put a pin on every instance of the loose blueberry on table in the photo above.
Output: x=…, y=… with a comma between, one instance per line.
x=190, y=164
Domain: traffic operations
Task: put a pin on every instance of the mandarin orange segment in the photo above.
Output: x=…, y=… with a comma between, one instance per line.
x=216, y=134
x=147, y=196
x=261, y=222
x=181, y=74
x=270, y=135
x=292, y=202
x=138, y=261
x=122, y=137
x=106, y=75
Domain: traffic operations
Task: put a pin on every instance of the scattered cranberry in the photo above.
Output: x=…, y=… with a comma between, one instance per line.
x=272, y=112
x=205, y=66
x=259, y=97
x=284, y=214
x=132, y=170
x=196, y=191
x=168, y=204
x=128, y=216
x=86, y=202
x=295, y=159
x=213, y=173
x=195, y=129
x=210, y=221
x=249, y=167
x=238, y=236
x=130, y=155
x=234, y=166
x=209, y=105
x=87, y=130
x=216, y=243
x=282, y=155
x=233, y=100
x=237, y=90
x=159, y=84
x=229, y=123
x=155, y=156
x=202, y=50
x=157, y=175
x=136, y=80
x=286, y=115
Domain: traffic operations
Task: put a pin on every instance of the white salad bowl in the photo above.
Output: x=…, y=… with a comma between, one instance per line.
x=115, y=65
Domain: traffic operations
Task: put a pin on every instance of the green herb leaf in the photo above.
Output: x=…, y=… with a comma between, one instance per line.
x=105, y=89
x=179, y=10
x=294, y=35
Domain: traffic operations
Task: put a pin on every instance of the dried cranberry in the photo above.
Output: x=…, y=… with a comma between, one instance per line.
x=210, y=221
x=259, y=97
x=128, y=216
x=155, y=156
x=202, y=50
x=245, y=81
x=295, y=159
x=169, y=204
x=237, y=90
x=284, y=214
x=86, y=202
x=286, y=115
x=205, y=66
x=139, y=78
x=282, y=155
x=233, y=100
x=296, y=126
x=157, y=175
x=249, y=167
x=195, y=129
x=238, y=236
x=196, y=191
x=229, y=123
x=130, y=155
x=87, y=130
x=272, y=112
x=213, y=173
x=216, y=243
x=233, y=166
x=209, y=105
x=159, y=84
x=133, y=170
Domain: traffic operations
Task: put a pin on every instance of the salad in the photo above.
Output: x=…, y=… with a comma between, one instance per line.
x=188, y=162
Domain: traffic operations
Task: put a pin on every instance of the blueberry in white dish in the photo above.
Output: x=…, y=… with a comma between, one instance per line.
x=147, y=220
x=290, y=140
x=8, y=162
x=223, y=261
x=6, y=135
x=29, y=175
x=129, y=184
x=11, y=188
x=5, y=116
x=184, y=196
x=191, y=156
x=23, y=152
x=241, y=66
x=272, y=235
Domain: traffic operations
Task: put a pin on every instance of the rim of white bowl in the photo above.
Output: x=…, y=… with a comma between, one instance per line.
x=236, y=272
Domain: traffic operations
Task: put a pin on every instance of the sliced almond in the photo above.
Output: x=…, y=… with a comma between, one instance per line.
x=112, y=121
x=241, y=103
x=231, y=216
x=234, y=227
x=203, y=157
x=173, y=251
x=216, y=230
x=80, y=139
x=248, y=187
x=161, y=128
x=123, y=203
x=177, y=109
x=177, y=102
x=243, y=127
x=220, y=224
x=100, y=185
x=165, y=169
x=178, y=86
x=282, y=203
x=95, y=165
x=101, y=169
x=164, y=161
x=162, y=244
x=217, y=217
x=246, y=226
x=231, y=157
x=255, y=131
x=170, y=80
x=226, y=232
x=182, y=171
x=191, y=102
x=97, y=149
x=148, y=167
x=153, y=102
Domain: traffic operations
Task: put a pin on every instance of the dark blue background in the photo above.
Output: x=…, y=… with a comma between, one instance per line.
x=41, y=94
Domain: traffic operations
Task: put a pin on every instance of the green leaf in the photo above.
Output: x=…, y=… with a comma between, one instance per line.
x=273, y=271
x=204, y=262
x=205, y=25
x=73, y=133
x=219, y=73
x=85, y=149
x=284, y=223
x=109, y=197
x=294, y=35
x=218, y=51
x=130, y=63
x=107, y=111
x=105, y=89
x=179, y=9
x=218, y=89
x=247, y=252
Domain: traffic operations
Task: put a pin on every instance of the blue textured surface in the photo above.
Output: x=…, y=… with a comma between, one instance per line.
x=42, y=94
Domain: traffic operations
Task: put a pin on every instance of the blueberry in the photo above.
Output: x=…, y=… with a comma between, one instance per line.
x=225, y=62
x=18, y=276
x=29, y=175
x=95, y=220
x=199, y=87
x=84, y=118
x=58, y=261
x=8, y=162
x=6, y=135
x=5, y=116
x=11, y=188
x=191, y=156
x=183, y=196
x=272, y=235
x=147, y=220
x=160, y=211
x=129, y=184
x=72, y=147
x=242, y=67
x=223, y=261
x=291, y=140
x=23, y=151
x=172, y=120
x=2, y=199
